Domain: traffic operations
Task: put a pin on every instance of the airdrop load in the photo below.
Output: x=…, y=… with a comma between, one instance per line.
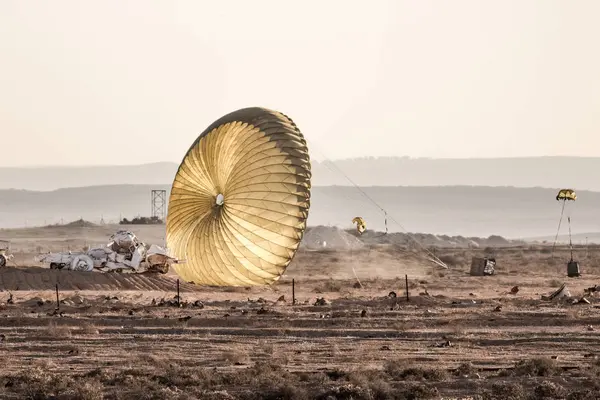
x=124, y=253
x=5, y=257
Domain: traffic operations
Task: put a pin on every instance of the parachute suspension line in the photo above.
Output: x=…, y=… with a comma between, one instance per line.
x=562, y=211
x=433, y=258
x=385, y=221
x=570, y=242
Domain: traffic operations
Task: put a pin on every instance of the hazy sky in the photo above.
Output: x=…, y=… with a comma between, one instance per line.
x=125, y=82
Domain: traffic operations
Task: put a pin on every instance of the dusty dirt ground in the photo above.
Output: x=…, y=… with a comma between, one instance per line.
x=123, y=336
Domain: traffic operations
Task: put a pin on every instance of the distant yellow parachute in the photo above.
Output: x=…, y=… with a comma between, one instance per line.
x=361, y=225
x=566, y=194
x=240, y=200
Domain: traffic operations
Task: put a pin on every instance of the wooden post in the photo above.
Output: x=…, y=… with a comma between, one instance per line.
x=57, y=298
x=293, y=291
x=406, y=282
x=178, y=298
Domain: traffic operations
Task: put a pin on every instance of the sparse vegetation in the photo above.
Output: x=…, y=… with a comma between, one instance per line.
x=245, y=344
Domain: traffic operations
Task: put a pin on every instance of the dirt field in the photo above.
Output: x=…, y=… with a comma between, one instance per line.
x=457, y=336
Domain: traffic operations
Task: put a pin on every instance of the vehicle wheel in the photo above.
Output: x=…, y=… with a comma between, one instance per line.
x=2, y=261
x=83, y=263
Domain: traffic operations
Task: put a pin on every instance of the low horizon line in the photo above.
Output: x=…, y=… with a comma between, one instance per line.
x=312, y=187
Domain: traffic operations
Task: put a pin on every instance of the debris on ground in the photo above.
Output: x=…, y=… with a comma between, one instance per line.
x=482, y=266
x=582, y=300
x=262, y=310
x=5, y=257
x=124, y=253
x=321, y=302
x=591, y=290
x=514, y=290
x=560, y=293
x=443, y=344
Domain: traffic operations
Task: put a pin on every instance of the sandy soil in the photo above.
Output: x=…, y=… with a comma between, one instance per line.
x=457, y=336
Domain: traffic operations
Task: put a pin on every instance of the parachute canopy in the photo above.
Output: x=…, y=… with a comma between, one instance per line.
x=361, y=225
x=566, y=194
x=240, y=199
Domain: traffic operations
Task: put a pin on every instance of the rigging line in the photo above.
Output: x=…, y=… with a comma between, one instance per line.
x=558, y=230
x=435, y=258
x=326, y=164
x=570, y=242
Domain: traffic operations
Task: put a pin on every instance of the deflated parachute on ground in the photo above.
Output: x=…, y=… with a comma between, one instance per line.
x=240, y=200
x=361, y=225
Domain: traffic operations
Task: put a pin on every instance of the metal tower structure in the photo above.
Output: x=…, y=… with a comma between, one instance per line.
x=159, y=204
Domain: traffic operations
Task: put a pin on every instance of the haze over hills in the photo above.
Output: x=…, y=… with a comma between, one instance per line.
x=550, y=172
x=453, y=210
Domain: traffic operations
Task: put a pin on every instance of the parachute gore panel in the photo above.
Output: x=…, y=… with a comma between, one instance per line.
x=240, y=200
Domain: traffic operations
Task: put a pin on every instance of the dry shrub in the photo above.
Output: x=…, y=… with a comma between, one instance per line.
x=536, y=367
x=347, y=391
x=586, y=394
x=395, y=371
x=505, y=391
x=549, y=390
x=465, y=369
x=37, y=383
x=284, y=391
x=413, y=391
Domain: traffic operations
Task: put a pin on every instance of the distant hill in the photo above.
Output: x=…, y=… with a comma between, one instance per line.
x=452, y=210
x=549, y=172
x=52, y=178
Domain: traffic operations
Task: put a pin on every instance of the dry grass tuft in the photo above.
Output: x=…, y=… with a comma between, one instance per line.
x=236, y=357
x=55, y=331
x=86, y=329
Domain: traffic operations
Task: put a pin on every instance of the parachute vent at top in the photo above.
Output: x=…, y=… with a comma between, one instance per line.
x=240, y=200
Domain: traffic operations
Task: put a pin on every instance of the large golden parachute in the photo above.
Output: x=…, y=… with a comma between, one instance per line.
x=240, y=200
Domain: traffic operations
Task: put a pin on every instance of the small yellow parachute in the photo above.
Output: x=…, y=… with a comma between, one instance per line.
x=566, y=194
x=361, y=225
